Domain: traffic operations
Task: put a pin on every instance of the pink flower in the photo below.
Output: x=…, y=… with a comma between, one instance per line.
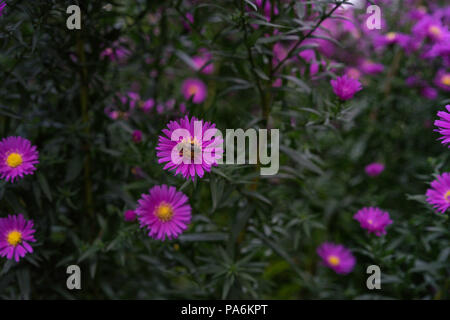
x=443, y=125
x=15, y=233
x=370, y=67
x=148, y=105
x=194, y=88
x=373, y=219
x=137, y=136
x=429, y=93
x=17, y=158
x=442, y=80
x=345, y=87
x=337, y=257
x=439, y=193
x=165, y=212
x=130, y=215
x=2, y=7
x=116, y=53
x=203, y=62
x=189, y=147
x=374, y=169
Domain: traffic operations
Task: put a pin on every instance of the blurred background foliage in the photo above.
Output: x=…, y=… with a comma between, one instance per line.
x=251, y=236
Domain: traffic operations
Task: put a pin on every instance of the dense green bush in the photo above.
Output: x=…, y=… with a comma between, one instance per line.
x=251, y=236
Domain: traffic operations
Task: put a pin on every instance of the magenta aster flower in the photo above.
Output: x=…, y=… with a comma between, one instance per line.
x=370, y=67
x=353, y=73
x=189, y=147
x=147, y=105
x=336, y=257
x=374, y=169
x=17, y=158
x=442, y=80
x=373, y=219
x=2, y=6
x=345, y=87
x=130, y=215
x=391, y=38
x=439, y=193
x=194, y=88
x=164, y=211
x=15, y=233
x=202, y=62
x=429, y=92
x=430, y=27
x=443, y=125
x=137, y=136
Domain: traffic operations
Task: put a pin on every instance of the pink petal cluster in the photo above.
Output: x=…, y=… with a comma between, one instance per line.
x=198, y=137
x=15, y=235
x=374, y=169
x=345, y=87
x=337, y=257
x=439, y=193
x=164, y=211
x=373, y=219
x=17, y=158
x=443, y=125
x=195, y=89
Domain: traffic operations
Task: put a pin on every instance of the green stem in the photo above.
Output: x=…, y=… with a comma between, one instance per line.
x=84, y=100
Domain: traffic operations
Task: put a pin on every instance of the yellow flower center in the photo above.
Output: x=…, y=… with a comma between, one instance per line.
x=333, y=260
x=188, y=148
x=164, y=212
x=391, y=35
x=14, y=160
x=446, y=80
x=14, y=237
x=192, y=90
x=446, y=196
x=370, y=221
x=435, y=31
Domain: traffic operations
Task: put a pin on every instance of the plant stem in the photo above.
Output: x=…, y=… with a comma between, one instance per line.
x=85, y=116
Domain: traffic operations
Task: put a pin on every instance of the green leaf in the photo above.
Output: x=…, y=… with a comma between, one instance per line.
x=44, y=186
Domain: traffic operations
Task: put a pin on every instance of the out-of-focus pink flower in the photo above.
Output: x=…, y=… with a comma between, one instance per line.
x=374, y=169
x=195, y=89
x=345, y=87
x=147, y=105
x=337, y=257
x=203, y=62
x=429, y=92
x=353, y=73
x=390, y=38
x=137, y=136
x=182, y=107
x=374, y=220
x=187, y=24
x=267, y=9
x=442, y=80
x=431, y=28
x=130, y=215
x=116, y=53
x=2, y=7
x=370, y=67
